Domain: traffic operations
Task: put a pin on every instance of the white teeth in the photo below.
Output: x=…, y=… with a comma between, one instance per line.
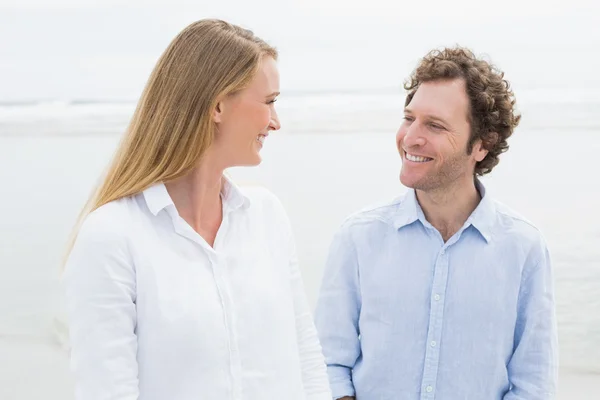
x=261, y=139
x=410, y=157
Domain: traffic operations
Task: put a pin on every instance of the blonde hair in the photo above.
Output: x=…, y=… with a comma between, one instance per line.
x=172, y=125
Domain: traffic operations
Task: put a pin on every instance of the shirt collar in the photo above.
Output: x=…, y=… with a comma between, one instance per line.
x=408, y=211
x=233, y=196
x=482, y=218
x=157, y=197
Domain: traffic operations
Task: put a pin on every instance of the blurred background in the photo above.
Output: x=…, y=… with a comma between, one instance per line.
x=72, y=71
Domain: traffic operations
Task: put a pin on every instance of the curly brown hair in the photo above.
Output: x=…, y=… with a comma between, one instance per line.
x=492, y=102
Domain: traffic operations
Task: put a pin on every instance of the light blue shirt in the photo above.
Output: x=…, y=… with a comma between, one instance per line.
x=404, y=316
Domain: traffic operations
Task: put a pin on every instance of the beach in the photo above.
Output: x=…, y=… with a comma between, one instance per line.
x=72, y=72
x=321, y=175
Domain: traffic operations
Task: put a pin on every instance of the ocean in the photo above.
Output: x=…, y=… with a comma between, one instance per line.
x=335, y=154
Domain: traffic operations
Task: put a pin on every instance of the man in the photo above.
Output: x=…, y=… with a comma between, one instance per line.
x=443, y=293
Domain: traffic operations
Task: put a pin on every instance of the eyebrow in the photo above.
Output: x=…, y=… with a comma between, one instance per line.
x=429, y=116
x=273, y=94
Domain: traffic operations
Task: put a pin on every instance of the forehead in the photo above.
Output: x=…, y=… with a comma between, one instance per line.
x=267, y=76
x=445, y=99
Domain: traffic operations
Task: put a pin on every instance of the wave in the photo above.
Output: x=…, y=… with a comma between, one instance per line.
x=301, y=112
x=528, y=94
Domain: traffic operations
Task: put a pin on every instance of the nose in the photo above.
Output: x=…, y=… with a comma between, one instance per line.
x=274, y=124
x=413, y=135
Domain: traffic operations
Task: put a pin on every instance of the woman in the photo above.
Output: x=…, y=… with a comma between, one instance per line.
x=180, y=285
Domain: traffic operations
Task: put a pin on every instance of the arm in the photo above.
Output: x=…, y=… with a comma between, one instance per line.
x=533, y=368
x=314, y=372
x=99, y=280
x=337, y=314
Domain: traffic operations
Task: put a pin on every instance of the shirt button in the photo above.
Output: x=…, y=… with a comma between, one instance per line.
x=443, y=251
x=433, y=343
x=429, y=389
x=437, y=297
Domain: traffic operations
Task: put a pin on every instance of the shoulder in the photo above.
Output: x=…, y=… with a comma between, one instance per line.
x=264, y=201
x=373, y=220
x=266, y=209
x=377, y=213
x=105, y=230
x=515, y=228
x=102, y=241
x=260, y=195
x=510, y=221
x=107, y=221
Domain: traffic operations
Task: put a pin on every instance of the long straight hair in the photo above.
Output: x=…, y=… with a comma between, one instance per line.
x=172, y=125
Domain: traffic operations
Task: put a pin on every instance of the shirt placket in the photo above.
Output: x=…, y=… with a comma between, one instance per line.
x=436, y=318
x=220, y=271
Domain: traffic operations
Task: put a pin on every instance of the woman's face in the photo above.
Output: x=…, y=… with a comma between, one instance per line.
x=244, y=119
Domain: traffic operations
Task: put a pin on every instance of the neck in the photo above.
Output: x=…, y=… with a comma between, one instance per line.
x=448, y=208
x=196, y=195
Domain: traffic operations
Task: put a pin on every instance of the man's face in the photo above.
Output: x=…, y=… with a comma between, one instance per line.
x=433, y=139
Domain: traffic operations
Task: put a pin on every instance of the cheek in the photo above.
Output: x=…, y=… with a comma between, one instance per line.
x=454, y=143
x=261, y=116
x=442, y=149
x=400, y=137
x=251, y=118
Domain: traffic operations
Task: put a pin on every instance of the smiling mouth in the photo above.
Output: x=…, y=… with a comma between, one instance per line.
x=419, y=159
x=261, y=138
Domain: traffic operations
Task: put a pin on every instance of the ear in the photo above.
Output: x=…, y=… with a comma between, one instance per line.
x=479, y=152
x=218, y=112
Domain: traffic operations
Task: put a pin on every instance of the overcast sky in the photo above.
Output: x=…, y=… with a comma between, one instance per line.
x=104, y=50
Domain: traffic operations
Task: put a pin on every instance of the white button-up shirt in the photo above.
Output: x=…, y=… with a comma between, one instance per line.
x=157, y=314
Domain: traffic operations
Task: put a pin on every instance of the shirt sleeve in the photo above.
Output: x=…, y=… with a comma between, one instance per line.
x=533, y=368
x=100, y=293
x=337, y=314
x=314, y=372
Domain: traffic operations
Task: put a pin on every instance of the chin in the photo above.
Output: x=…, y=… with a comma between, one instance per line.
x=423, y=184
x=408, y=184
x=408, y=181
x=415, y=183
x=254, y=161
